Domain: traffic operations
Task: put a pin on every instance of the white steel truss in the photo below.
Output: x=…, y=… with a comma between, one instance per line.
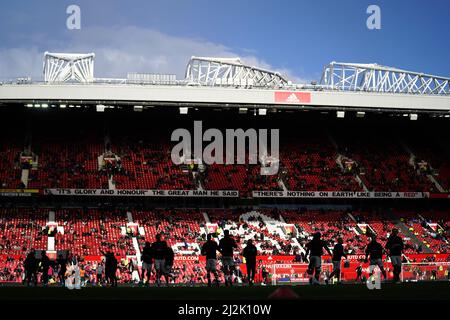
x=207, y=71
x=64, y=67
x=376, y=78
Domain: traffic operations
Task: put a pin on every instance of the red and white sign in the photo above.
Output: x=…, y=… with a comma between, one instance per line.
x=211, y=227
x=292, y=97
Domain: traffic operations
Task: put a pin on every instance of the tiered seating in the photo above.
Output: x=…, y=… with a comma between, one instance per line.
x=11, y=269
x=90, y=232
x=382, y=224
x=146, y=164
x=436, y=157
x=189, y=271
x=226, y=177
x=331, y=224
x=10, y=171
x=255, y=229
x=177, y=226
x=383, y=164
x=434, y=240
x=21, y=230
x=230, y=220
x=444, y=176
x=245, y=178
x=266, y=247
x=259, y=222
x=311, y=165
x=307, y=162
x=68, y=162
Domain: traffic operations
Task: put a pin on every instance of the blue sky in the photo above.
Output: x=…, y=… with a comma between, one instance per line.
x=294, y=37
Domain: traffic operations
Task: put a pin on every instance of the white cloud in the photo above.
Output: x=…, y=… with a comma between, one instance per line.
x=122, y=50
x=20, y=62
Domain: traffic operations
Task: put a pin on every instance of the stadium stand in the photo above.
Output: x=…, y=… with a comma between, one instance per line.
x=22, y=229
x=10, y=171
x=381, y=223
x=331, y=224
x=146, y=164
x=431, y=228
x=432, y=158
x=86, y=157
x=242, y=177
x=90, y=232
x=68, y=161
x=178, y=226
x=383, y=164
x=311, y=164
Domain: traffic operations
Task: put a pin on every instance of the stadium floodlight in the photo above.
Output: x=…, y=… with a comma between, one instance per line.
x=62, y=106
x=262, y=112
x=360, y=114
x=71, y=106
x=138, y=108
x=340, y=114
x=37, y=105
x=44, y=105
x=77, y=106
x=184, y=110
x=413, y=116
x=100, y=108
x=243, y=110
x=29, y=105
x=447, y=116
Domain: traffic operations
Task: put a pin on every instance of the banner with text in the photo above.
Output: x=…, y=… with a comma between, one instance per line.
x=143, y=193
x=340, y=194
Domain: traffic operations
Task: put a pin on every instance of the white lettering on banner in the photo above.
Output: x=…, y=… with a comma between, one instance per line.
x=235, y=194
x=186, y=258
x=339, y=194
x=143, y=193
x=128, y=192
x=85, y=191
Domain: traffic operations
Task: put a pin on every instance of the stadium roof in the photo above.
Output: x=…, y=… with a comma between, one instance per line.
x=208, y=71
x=212, y=81
x=376, y=78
